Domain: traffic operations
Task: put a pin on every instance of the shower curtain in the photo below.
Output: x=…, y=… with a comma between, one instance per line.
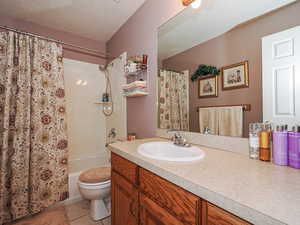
x=33, y=140
x=173, y=101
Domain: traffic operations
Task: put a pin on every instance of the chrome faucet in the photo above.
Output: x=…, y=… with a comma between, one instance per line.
x=178, y=139
x=112, y=133
x=206, y=131
x=108, y=143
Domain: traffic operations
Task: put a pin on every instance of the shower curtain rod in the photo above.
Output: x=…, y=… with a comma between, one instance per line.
x=79, y=49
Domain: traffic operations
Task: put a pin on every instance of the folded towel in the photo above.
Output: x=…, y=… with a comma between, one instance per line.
x=134, y=84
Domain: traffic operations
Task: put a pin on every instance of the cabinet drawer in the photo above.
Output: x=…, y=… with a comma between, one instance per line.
x=152, y=214
x=125, y=168
x=180, y=203
x=218, y=216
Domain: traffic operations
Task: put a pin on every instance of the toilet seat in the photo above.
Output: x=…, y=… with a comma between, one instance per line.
x=99, y=175
x=94, y=185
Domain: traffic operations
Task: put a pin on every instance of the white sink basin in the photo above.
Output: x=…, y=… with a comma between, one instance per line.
x=167, y=151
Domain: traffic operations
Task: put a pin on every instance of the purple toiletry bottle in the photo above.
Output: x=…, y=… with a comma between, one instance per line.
x=280, y=146
x=294, y=148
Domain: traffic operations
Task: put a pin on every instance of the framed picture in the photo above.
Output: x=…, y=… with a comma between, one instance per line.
x=208, y=87
x=235, y=76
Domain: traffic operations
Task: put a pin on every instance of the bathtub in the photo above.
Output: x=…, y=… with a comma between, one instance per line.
x=77, y=166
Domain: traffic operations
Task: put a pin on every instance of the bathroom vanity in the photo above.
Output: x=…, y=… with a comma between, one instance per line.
x=141, y=197
x=223, y=188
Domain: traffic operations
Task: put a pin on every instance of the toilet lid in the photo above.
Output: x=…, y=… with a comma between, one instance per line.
x=95, y=175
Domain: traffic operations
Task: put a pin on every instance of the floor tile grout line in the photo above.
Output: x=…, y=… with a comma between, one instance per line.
x=78, y=218
x=91, y=221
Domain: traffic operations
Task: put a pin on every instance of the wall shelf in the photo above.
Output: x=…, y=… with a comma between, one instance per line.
x=136, y=71
x=136, y=94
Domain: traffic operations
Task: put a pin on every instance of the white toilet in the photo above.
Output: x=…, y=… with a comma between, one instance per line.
x=94, y=184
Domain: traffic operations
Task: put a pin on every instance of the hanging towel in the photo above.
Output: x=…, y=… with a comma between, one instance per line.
x=231, y=121
x=208, y=118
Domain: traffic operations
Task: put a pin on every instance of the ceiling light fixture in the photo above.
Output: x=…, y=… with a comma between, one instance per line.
x=187, y=2
x=194, y=3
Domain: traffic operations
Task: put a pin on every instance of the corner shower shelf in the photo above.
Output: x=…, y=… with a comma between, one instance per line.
x=136, y=72
x=136, y=94
x=135, y=89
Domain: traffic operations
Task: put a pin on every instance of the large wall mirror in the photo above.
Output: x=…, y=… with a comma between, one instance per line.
x=230, y=63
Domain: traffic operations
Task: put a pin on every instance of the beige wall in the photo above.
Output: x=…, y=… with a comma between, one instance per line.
x=240, y=44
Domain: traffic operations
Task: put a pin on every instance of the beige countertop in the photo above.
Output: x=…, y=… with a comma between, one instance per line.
x=261, y=193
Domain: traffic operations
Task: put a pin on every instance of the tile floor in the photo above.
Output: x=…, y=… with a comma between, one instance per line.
x=78, y=214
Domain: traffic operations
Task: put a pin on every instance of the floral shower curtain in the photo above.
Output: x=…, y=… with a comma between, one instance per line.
x=33, y=140
x=173, y=101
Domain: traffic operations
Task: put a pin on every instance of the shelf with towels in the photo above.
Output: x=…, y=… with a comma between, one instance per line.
x=136, y=71
x=136, y=94
x=135, y=89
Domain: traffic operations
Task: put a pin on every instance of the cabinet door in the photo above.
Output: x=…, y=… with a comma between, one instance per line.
x=124, y=202
x=217, y=216
x=180, y=203
x=152, y=214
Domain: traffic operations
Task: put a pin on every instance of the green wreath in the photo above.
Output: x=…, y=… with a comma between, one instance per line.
x=204, y=70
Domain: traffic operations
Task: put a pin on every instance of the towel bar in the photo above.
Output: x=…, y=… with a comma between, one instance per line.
x=246, y=107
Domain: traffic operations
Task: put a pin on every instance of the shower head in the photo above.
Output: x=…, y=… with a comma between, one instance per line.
x=102, y=67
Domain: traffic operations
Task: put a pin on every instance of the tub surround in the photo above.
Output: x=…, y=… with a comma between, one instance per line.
x=258, y=192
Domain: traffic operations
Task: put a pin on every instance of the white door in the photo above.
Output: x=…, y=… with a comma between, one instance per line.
x=281, y=77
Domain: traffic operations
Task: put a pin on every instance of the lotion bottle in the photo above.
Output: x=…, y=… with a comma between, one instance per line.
x=294, y=148
x=280, y=146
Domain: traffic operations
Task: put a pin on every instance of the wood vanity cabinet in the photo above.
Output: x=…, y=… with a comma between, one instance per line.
x=140, y=197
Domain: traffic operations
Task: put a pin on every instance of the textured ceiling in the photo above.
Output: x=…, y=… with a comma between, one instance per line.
x=93, y=19
x=215, y=17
